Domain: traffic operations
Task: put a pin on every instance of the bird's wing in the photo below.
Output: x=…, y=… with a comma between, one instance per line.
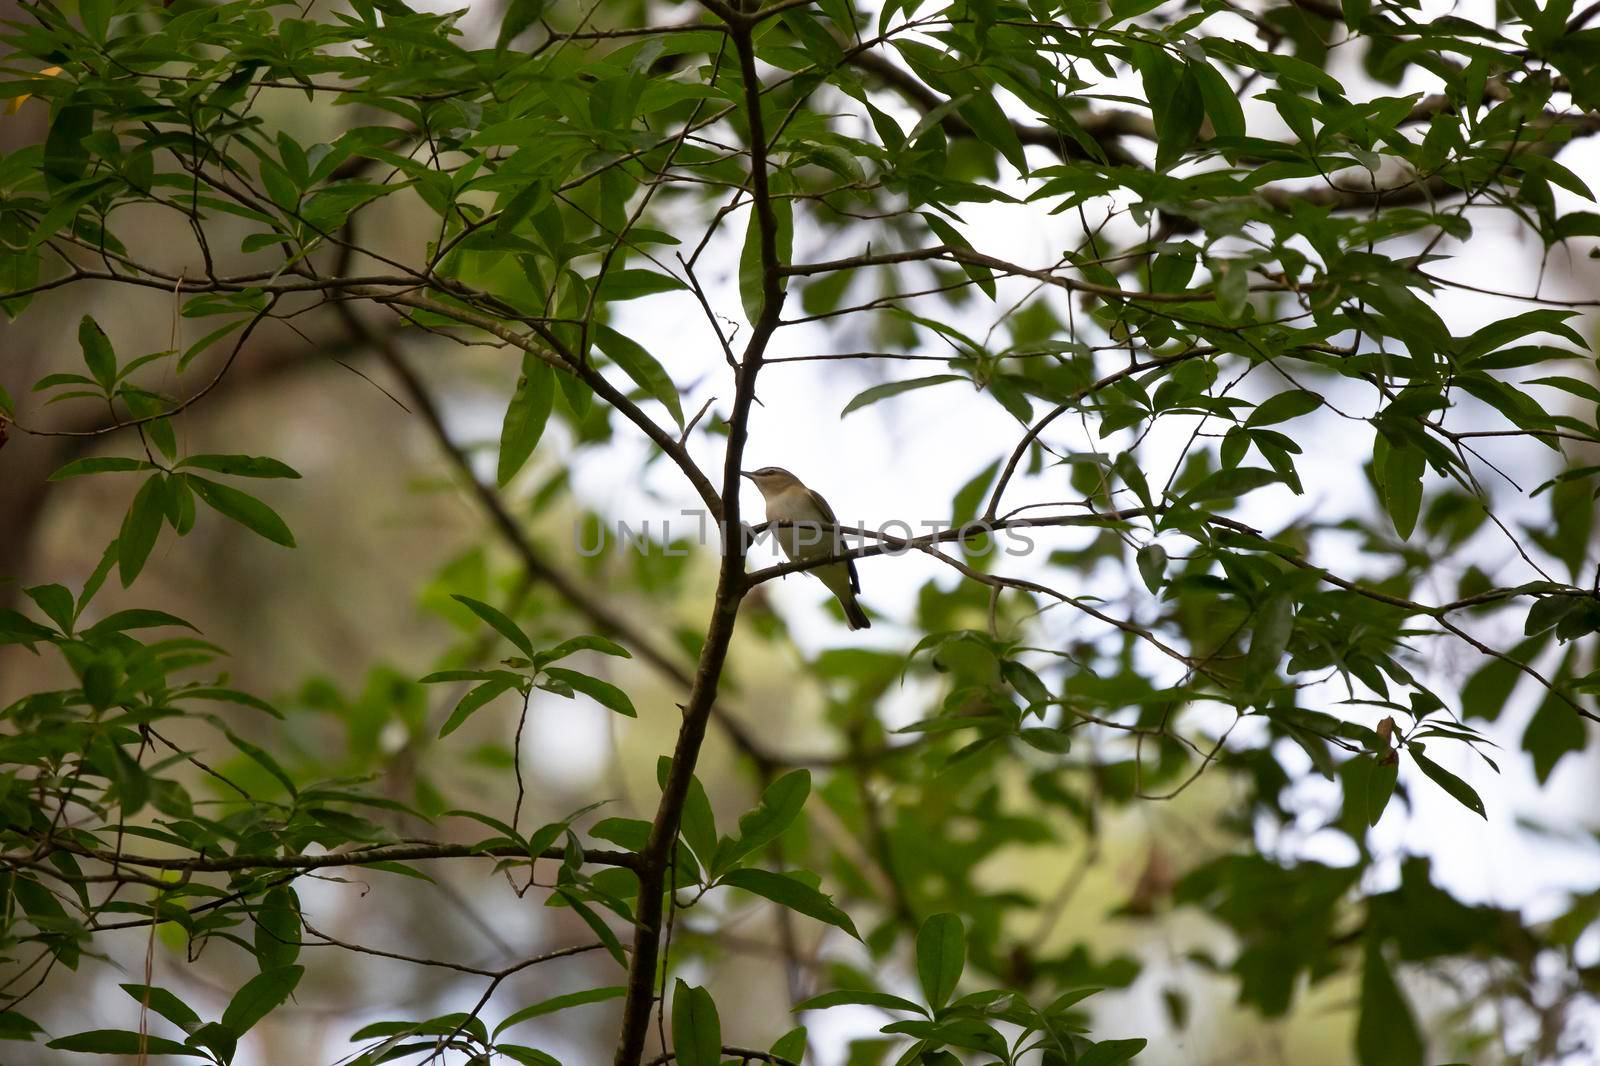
x=822, y=505
x=827, y=513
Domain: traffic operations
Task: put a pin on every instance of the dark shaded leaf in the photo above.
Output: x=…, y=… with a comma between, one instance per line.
x=525, y=418
x=260, y=996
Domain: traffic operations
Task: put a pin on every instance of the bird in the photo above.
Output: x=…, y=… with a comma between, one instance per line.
x=788, y=500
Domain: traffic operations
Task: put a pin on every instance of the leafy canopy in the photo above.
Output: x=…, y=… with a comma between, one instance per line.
x=1257, y=215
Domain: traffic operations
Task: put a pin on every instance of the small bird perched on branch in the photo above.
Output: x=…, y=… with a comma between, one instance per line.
x=812, y=536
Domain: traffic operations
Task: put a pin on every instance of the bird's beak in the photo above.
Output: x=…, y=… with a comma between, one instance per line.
x=748, y=474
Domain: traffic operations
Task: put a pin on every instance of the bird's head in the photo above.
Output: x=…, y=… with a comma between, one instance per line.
x=771, y=480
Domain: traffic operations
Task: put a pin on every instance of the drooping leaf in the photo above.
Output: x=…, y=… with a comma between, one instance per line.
x=277, y=935
x=696, y=1029
x=525, y=418
x=260, y=996
x=941, y=956
x=787, y=891
x=498, y=621
x=642, y=367
x=1462, y=792
x=140, y=528
x=1386, y=1030
x=894, y=388
x=242, y=508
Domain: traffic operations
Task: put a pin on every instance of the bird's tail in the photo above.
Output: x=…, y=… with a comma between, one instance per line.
x=837, y=577
x=854, y=616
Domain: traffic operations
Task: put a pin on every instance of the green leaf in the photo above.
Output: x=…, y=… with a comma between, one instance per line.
x=528, y=1056
x=864, y=997
x=1386, y=1030
x=121, y=1042
x=630, y=833
x=941, y=956
x=66, y=155
x=781, y=803
x=100, y=464
x=1221, y=100
x=498, y=621
x=696, y=1030
x=791, y=1045
x=1401, y=479
x=597, y=924
x=642, y=367
x=1379, y=780
x=259, y=997
x=698, y=824
x=1229, y=484
x=165, y=1004
x=981, y=275
x=751, y=273
x=1284, y=406
x=526, y=416
x=1554, y=730
x=550, y=1006
x=1127, y=468
x=894, y=388
x=632, y=284
x=140, y=528
x=136, y=618
x=262, y=758
x=1486, y=692
x=242, y=508
x=17, y=628
x=1176, y=105
x=241, y=465
x=1274, y=624
x=102, y=570
x=1463, y=793
x=55, y=601
x=969, y=497
x=790, y=892
x=1112, y=1052
x=277, y=936
x=1152, y=563
x=602, y=692
x=587, y=642
x=212, y=1035
x=97, y=353
x=473, y=700
x=520, y=14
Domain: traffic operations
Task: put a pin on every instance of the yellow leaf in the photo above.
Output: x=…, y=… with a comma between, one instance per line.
x=17, y=101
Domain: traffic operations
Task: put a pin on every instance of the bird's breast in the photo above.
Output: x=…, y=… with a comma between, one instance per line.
x=801, y=542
